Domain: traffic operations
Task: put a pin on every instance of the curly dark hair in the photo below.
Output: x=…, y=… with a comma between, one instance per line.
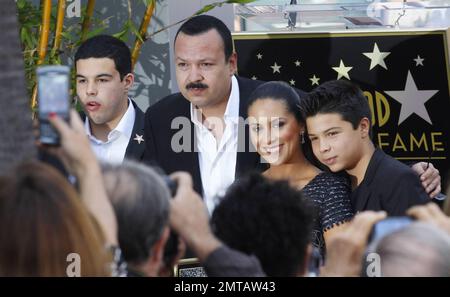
x=268, y=219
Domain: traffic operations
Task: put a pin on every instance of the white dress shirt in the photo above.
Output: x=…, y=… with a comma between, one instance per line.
x=113, y=150
x=217, y=162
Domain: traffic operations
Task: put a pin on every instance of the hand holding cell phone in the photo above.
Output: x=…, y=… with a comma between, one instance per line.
x=53, y=98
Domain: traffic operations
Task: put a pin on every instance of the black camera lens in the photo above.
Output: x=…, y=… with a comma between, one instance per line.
x=171, y=248
x=171, y=184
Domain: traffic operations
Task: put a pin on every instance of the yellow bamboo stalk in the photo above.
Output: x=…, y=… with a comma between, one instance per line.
x=59, y=24
x=87, y=19
x=142, y=31
x=43, y=41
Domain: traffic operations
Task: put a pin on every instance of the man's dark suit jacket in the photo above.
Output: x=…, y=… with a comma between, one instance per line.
x=135, y=150
x=388, y=185
x=159, y=134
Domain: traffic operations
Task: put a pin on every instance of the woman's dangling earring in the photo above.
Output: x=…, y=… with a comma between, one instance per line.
x=302, y=137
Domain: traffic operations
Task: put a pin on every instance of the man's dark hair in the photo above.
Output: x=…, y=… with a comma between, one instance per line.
x=202, y=24
x=268, y=219
x=337, y=96
x=281, y=91
x=105, y=46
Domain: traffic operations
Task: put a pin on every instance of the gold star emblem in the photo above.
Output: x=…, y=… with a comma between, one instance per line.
x=139, y=138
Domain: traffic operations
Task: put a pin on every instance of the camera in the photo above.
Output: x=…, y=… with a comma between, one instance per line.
x=171, y=184
x=171, y=248
x=388, y=226
x=53, y=97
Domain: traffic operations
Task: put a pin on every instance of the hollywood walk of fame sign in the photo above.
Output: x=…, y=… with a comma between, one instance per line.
x=404, y=75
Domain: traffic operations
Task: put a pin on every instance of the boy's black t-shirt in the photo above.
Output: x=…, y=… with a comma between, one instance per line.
x=388, y=185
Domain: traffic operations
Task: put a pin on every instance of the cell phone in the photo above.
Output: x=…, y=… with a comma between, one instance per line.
x=388, y=226
x=53, y=97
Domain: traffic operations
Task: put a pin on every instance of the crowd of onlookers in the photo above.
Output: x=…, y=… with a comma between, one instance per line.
x=314, y=197
x=117, y=220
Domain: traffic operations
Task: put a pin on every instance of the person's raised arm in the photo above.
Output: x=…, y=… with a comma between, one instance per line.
x=79, y=159
x=346, y=249
x=430, y=213
x=189, y=218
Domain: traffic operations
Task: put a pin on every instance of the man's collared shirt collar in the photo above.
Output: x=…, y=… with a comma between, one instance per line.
x=125, y=126
x=231, y=112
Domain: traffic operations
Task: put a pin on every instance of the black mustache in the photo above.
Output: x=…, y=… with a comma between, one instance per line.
x=196, y=86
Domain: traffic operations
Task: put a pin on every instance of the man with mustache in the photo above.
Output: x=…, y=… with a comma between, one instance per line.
x=113, y=121
x=199, y=130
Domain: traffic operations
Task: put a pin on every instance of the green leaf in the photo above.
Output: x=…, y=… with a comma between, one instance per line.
x=240, y=1
x=147, y=2
x=135, y=31
x=66, y=35
x=94, y=32
x=21, y=4
x=121, y=34
x=205, y=8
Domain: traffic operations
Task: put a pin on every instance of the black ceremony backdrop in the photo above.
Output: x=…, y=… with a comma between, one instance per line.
x=404, y=75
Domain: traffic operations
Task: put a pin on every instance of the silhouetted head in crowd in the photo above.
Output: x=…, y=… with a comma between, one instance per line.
x=44, y=228
x=140, y=200
x=419, y=249
x=268, y=219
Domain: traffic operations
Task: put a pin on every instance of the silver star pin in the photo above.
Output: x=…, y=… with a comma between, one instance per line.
x=139, y=138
